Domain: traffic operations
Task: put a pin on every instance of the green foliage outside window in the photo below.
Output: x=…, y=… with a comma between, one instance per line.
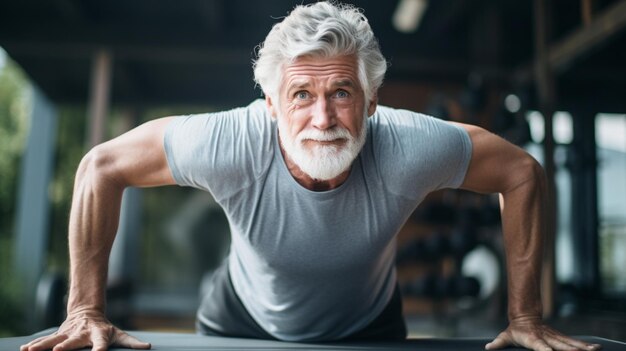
x=14, y=123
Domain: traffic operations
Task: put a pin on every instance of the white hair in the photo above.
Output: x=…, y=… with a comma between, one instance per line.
x=323, y=29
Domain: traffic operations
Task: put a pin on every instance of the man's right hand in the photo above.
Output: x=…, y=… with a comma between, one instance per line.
x=85, y=329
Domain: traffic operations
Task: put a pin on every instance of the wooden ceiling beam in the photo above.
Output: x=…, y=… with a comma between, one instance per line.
x=564, y=54
x=583, y=41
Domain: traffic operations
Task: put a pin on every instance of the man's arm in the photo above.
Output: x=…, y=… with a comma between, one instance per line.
x=500, y=167
x=136, y=158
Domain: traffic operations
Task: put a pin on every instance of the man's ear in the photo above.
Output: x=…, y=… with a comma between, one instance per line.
x=270, y=106
x=371, y=108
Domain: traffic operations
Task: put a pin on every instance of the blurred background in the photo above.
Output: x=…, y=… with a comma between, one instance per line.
x=548, y=75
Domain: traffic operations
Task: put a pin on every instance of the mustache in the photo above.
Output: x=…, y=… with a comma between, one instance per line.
x=324, y=135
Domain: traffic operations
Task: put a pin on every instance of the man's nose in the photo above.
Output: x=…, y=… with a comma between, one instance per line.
x=323, y=115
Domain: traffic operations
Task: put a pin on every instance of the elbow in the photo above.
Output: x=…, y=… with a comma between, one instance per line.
x=534, y=171
x=98, y=166
x=528, y=173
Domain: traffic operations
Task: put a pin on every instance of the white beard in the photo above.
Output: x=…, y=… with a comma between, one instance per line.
x=322, y=162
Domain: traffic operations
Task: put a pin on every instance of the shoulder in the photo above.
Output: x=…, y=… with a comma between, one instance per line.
x=219, y=148
x=408, y=146
x=391, y=126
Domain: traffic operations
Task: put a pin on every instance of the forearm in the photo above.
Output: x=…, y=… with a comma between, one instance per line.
x=136, y=158
x=500, y=167
x=93, y=223
x=523, y=226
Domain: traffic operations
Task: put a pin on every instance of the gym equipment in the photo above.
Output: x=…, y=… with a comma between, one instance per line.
x=485, y=264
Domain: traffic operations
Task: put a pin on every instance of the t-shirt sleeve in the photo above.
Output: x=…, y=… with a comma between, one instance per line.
x=219, y=152
x=420, y=153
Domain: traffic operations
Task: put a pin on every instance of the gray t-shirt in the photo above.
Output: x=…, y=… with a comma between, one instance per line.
x=314, y=265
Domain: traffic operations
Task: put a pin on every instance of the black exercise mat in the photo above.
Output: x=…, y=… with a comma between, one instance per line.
x=195, y=342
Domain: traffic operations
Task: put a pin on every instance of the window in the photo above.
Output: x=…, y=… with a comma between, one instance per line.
x=611, y=151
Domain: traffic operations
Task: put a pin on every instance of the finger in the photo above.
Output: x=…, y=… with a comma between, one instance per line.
x=71, y=344
x=578, y=344
x=99, y=340
x=45, y=343
x=538, y=344
x=123, y=339
x=501, y=341
x=36, y=340
x=32, y=342
x=557, y=344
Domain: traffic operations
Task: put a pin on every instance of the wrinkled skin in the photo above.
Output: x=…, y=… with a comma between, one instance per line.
x=82, y=330
x=532, y=334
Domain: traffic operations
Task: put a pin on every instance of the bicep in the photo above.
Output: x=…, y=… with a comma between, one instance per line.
x=137, y=157
x=496, y=166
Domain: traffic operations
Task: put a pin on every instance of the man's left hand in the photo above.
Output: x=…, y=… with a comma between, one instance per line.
x=531, y=333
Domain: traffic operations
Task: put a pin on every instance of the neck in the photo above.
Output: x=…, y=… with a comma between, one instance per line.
x=311, y=183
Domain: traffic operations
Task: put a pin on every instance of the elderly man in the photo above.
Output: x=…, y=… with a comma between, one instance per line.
x=316, y=181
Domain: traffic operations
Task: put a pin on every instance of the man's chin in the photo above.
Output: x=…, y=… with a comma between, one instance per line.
x=324, y=175
x=324, y=166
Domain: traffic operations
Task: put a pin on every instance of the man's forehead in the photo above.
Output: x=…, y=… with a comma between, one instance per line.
x=303, y=82
x=303, y=71
x=347, y=64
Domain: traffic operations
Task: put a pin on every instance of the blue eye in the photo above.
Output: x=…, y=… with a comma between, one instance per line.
x=342, y=94
x=302, y=95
